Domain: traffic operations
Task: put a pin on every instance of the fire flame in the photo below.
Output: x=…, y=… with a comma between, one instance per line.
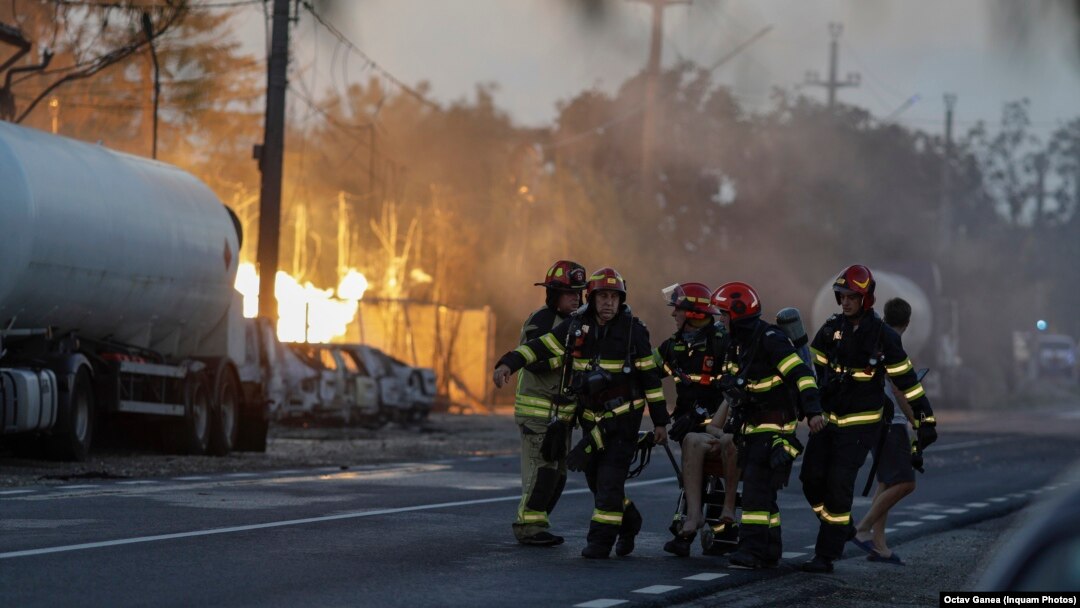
x=305, y=312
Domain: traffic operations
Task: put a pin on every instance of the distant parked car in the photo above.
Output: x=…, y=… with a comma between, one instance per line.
x=301, y=381
x=420, y=388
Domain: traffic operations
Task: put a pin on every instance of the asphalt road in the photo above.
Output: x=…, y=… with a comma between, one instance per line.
x=437, y=533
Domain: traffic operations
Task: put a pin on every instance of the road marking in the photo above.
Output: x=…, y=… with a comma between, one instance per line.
x=967, y=444
x=1017, y=495
x=705, y=576
x=976, y=505
x=136, y=482
x=956, y=511
x=240, y=475
x=910, y=524
x=291, y=522
x=601, y=603
x=810, y=547
x=285, y=472
x=890, y=530
x=997, y=499
x=792, y=554
x=8, y=492
x=932, y=517
x=82, y=487
x=192, y=478
x=656, y=589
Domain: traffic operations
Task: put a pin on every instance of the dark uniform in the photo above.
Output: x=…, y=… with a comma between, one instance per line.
x=695, y=365
x=618, y=358
x=778, y=387
x=852, y=362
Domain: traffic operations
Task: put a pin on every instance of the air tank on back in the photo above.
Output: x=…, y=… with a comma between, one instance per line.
x=889, y=285
x=109, y=245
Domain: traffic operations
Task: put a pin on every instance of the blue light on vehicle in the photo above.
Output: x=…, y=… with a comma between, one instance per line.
x=1040, y=325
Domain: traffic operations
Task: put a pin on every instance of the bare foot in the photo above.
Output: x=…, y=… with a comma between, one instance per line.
x=728, y=515
x=689, y=527
x=862, y=537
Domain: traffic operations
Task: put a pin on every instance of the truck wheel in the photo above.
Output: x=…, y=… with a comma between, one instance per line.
x=74, y=420
x=223, y=424
x=194, y=433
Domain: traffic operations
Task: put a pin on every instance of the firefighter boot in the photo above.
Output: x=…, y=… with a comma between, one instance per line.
x=542, y=538
x=631, y=525
x=818, y=565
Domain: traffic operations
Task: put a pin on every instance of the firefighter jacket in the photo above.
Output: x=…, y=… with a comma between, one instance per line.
x=620, y=348
x=539, y=382
x=695, y=366
x=778, y=383
x=852, y=363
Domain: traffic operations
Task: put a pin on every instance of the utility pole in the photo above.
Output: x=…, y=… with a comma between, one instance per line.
x=652, y=75
x=946, y=177
x=832, y=85
x=148, y=29
x=270, y=155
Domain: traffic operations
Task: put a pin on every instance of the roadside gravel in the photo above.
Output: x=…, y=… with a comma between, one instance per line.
x=441, y=436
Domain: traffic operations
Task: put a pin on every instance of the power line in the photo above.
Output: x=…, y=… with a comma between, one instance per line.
x=370, y=62
x=133, y=6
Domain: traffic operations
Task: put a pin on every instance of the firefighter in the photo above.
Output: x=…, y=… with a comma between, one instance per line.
x=536, y=403
x=770, y=388
x=613, y=375
x=853, y=352
x=693, y=356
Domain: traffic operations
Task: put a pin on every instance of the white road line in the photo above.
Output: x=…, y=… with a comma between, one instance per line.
x=82, y=487
x=792, y=554
x=9, y=492
x=602, y=603
x=932, y=517
x=997, y=499
x=240, y=475
x=705, y=576
x=137, y=482
x=1017, y=495
x=810, y=547
x=976, y=505
x=285, y=472
x=966, y=444
x=656, y=589
x=290, y=522
x=192, y=478
x=890, y=530
x=910, y=524
x=956, y=511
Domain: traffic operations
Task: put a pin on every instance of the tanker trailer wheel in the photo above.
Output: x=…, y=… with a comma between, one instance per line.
x=226, y=410
x=194, y=430
x=74, y=420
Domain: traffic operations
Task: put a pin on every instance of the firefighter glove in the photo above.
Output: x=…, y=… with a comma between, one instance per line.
x=579, y=457
x=927, y=434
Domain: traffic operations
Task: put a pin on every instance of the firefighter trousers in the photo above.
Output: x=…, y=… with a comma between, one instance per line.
x=830, y=465
x=614, y=515
x=542, y=482
x=759, y=530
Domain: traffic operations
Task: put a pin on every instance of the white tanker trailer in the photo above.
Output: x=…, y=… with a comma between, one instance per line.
x=117, y=300
x=930, y=340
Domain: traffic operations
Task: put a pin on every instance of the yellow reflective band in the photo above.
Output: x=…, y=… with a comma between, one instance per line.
x=854, y=419
x=530, y=400
x=835, y=518
x=531, y=411
x=731, y=367
x=555, y=362
x=900, y=368
x=549, y=341
x=581, y=365
x=598, y=437
x=819, y=357
x=645, y=363
x=607, y=517
x=914, y=392
x=862, y=376
x=774, y=520
x=929, y=419
x=787, y=428
x=788, y=363
x=526, y=352
x=818, y=508
x=611, y=365
x=764, y=385
x=790, y=449
x=654, y=395
x=914, y=446
x=532, y=517
x=806, y=382
x=760, y=518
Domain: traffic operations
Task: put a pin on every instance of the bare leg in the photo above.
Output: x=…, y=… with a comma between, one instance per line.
x=875, y=517
x=731, y=477
x=694, y=448
x=865, y=527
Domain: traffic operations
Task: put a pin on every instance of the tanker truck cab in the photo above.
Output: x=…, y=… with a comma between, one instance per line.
x=117, y=300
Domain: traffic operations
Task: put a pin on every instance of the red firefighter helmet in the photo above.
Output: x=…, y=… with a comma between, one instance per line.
x=564, y=275
x=694, y=298
x=738, y=300
x=856, y=279
x=605, y=278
